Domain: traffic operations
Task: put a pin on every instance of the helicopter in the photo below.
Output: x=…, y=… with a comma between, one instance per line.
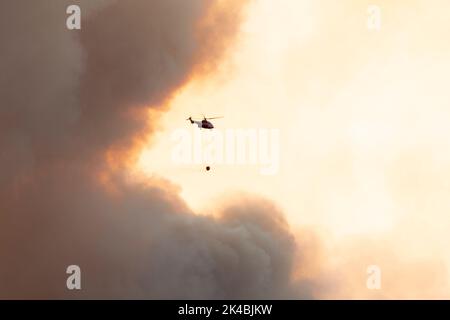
x=203, y=124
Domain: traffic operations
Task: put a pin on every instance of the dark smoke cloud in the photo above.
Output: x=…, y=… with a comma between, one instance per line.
x=69, y=98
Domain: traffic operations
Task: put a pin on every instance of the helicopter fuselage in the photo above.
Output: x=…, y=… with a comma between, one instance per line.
x=204, y=124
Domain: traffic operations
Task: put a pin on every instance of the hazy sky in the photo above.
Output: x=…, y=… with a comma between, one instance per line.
x=363, y=117
x=363, y=176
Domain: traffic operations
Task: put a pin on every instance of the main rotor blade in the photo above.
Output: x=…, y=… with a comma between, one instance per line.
x=214, y=118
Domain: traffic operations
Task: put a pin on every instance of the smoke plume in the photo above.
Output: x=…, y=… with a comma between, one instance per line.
x=74, y=109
